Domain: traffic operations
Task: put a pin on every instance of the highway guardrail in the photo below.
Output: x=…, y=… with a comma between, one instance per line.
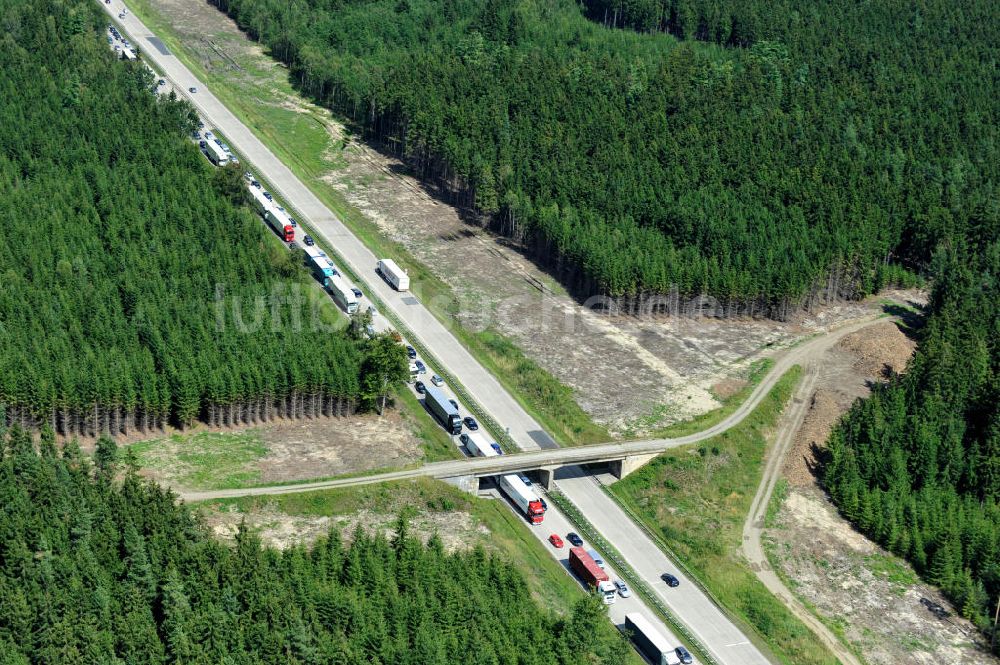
x=747, y=629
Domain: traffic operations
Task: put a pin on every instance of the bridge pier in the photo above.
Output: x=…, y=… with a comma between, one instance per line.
x=623, y=467
x=546, y=475
x=468, y=484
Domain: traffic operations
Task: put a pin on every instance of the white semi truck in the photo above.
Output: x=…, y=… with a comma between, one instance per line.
x=280, y=223
x=523, y=497
x=649, y=641
x=393, y=274
x=216, y=154
x=342, y=294
x=478, y=445
x=260, y=201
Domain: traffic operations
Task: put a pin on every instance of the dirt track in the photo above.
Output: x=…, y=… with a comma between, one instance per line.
x=813, y=560
x=754, y=526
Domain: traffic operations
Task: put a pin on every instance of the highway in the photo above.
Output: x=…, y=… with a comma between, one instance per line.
x=482, y=386
x=724, y=640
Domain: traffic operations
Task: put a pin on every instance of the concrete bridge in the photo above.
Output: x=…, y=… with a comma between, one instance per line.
x=624, y=458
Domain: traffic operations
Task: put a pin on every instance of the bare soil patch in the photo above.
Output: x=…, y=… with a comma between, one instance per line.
x=457, y=530
x=728, y=387
x=314, y=449
x=870, y=596
x=282, y=451
x=872, y=354
x=880, y=351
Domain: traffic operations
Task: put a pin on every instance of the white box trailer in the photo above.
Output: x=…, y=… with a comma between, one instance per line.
x=280, y=223
x=649, y=641
x=260, y=202
x=393, y=274
x=216, y=154
x=478, y=445
x=523, y=497
x=342, y=294
x=313, y=252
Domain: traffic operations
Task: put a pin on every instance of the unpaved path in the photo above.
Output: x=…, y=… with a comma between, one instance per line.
x=753, y=528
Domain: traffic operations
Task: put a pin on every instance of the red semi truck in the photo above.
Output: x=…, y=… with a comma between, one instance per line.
x=588, y=570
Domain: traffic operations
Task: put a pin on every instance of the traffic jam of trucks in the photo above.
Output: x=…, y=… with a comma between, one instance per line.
x=519, y=491
x=587, y=566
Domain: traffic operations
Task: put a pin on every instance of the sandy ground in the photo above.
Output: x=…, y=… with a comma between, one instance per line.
x=630, y=375
x=308, y=449
x=303, y=449
x=457, y=530
x=873, y=597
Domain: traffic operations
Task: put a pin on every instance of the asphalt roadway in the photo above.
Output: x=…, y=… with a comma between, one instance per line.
x=727, y=644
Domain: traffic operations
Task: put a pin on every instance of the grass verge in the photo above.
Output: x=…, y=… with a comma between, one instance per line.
x=305, y=143
x=205, y=460
x=696, y=499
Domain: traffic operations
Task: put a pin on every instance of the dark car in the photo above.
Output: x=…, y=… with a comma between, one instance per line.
x=684, y=655
x=192, y=90
x=290, y=219
x=161, y=82
x=309, y=240
x=453, y=403
x=410, y=351
x=670, y=580
x=202, y=145
x=420, y=387
x=471, y=423
x=267, y=195
x=357, y=294
x=575, y=539
x=421, y=368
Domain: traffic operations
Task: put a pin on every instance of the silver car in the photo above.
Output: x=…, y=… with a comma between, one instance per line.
x=622, y=589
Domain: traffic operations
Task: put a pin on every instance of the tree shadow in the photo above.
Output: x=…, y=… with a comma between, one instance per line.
x=910, y=317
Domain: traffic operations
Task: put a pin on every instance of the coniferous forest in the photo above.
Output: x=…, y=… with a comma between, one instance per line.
x=770, y=154
x=118, y=240
x=107, y=572
x=917, y=465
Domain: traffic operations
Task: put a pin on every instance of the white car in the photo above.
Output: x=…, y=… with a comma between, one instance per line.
x=437, y=380
x=622, y=589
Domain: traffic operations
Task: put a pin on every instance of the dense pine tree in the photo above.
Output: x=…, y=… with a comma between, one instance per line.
x=117, y=239
x=98, y=570
x=772, y=155
x=917, y=465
